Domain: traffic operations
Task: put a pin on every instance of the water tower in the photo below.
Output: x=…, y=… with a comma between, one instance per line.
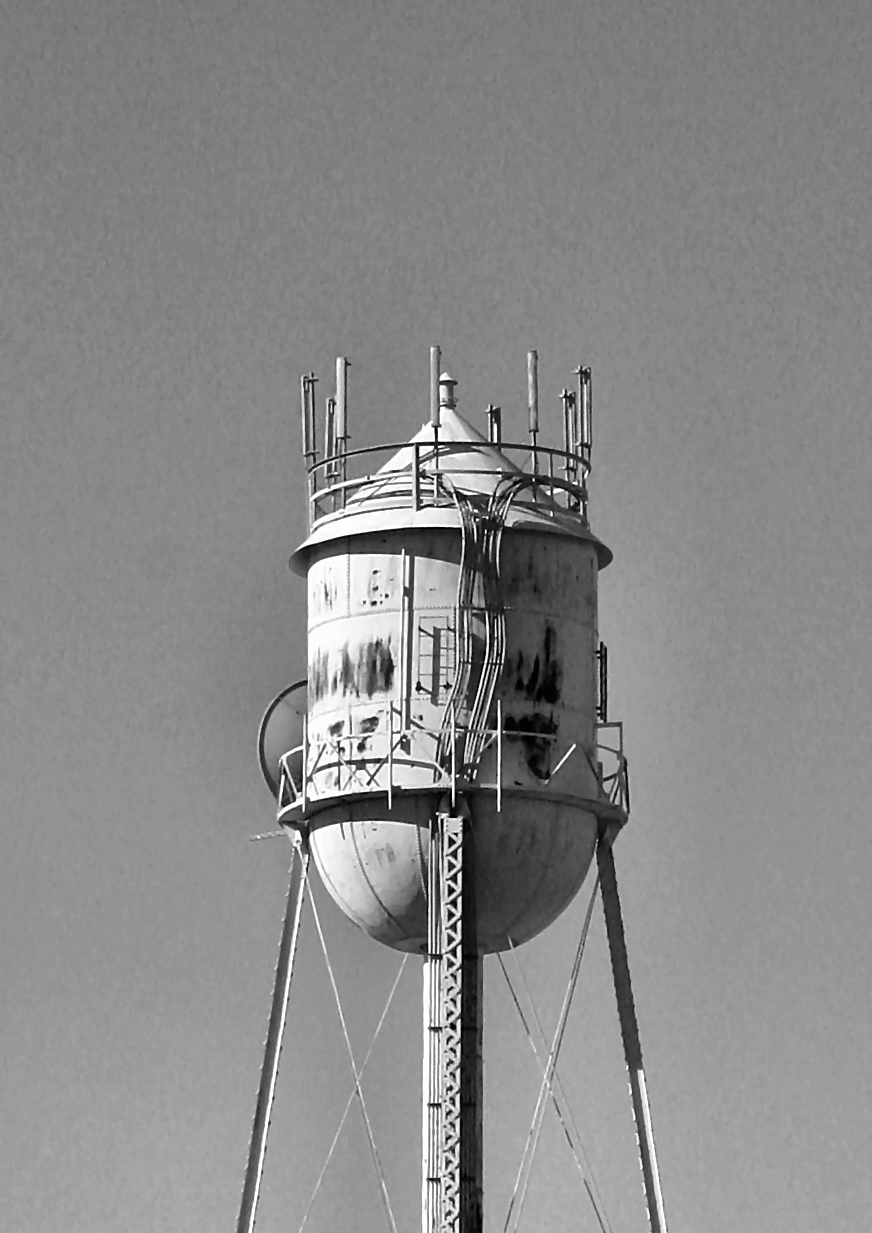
x=449, y=763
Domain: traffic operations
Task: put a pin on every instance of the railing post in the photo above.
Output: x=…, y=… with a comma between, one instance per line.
x=453, y=758
x=499, y=755
x=305, y=785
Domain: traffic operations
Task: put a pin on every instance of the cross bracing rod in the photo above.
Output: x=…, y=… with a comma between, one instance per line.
x=630, y=1034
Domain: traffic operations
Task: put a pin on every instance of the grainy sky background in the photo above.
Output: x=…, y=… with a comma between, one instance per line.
x=202, y=199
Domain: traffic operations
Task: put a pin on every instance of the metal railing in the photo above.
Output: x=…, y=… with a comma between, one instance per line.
x=614, y=774
x=432, y=472
x=350, y=770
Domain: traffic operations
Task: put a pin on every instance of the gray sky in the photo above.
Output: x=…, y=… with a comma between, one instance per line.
x=199, y=201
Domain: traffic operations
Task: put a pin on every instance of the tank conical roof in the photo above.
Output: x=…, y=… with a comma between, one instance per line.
x=477, y=470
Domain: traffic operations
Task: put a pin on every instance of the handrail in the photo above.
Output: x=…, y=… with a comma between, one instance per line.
x=609, y=768
x=432, y=461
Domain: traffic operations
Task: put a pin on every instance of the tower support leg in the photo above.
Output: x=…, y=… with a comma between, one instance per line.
x=630, y=1033
x=275, y=1033
x=452, y=1123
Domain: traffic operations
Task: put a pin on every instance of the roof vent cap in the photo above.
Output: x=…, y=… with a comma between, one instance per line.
x=446, y=391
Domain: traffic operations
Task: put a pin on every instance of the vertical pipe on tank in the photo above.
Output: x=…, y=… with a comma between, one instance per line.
x=407, y=616
x=307, y=424
x=304, y=416
x=305, y=766
x=330, y=471
x=533, y=401
x=313, y=425
x=568, y=400
x=586, y=397
x=341, y=401
x=341, y=420
x=499, y=755
x=494, y=424
x=307, y=441
x=416, y=476
x=578, y=417
x=401, y=676
x=602, y=708
x=586, y=434
x=435, y=365
x=330, y=433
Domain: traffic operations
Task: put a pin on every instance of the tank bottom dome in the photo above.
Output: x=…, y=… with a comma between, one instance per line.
x=530, y=861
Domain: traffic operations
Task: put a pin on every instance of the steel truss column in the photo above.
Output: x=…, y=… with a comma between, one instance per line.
x=431, y=1213
x=630, y=1033
x=275, y=1032
x=453, y=1031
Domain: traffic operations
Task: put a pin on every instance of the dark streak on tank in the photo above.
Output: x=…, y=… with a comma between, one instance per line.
x=365, y=729
x=375, y=667
x=318, y=678
x=542, y=679
x=370, y=672
x=536, y=731
x=345, y=677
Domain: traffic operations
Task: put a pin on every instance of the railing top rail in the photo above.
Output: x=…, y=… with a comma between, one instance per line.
x=440, y=449
x=421, y=482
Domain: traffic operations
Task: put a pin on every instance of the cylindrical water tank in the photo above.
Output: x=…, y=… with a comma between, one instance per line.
x=452, y=637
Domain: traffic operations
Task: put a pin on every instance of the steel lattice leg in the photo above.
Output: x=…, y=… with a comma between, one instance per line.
x=452, y=1190
x=452, y=1032
x=432, y=1104
x=471, y=1067
x=275, y=1033
x=630, y=1034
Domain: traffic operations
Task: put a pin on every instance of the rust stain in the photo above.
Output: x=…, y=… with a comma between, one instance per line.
x=364, y=671
x=365, y=729
x=373, y=588
x=375, y=667
x=541, y=678
x=318, y=678
x=536, y=731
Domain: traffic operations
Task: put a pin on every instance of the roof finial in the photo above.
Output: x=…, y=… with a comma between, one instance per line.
x=446, y=391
